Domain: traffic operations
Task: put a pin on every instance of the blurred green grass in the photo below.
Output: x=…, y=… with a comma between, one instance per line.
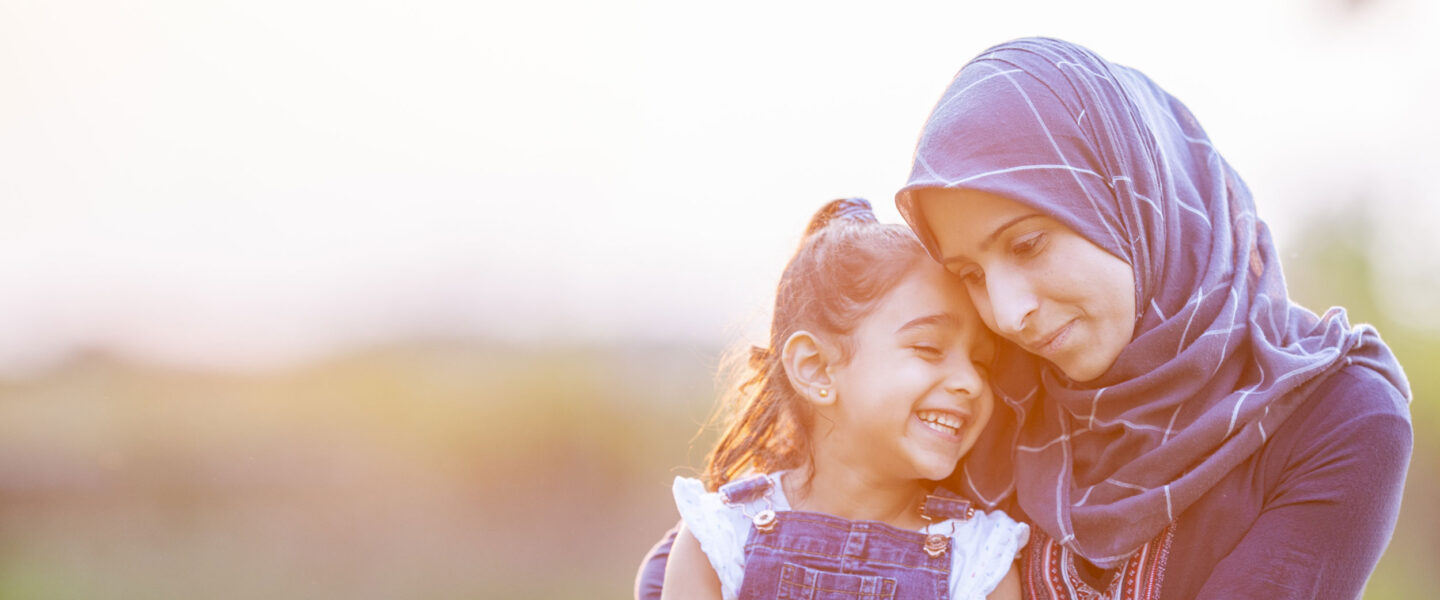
x=434, y=470
x=444, y=469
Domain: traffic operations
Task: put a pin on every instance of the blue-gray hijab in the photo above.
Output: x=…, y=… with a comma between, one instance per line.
x=1220, y=356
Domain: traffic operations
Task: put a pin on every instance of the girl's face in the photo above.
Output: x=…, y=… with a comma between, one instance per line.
x=1035, y=281
x=913, y=395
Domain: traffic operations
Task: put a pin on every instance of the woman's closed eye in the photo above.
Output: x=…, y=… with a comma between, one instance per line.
x=970, y=274
x=1029, y=244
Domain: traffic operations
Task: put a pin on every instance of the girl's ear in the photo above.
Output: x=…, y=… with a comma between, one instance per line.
x=807, y=363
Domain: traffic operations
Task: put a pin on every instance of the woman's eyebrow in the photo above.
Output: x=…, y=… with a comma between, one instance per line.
x=929, y=320
x=990, y=239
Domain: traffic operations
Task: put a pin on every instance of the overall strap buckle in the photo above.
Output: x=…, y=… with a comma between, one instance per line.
x=742, y=493
x=943, y=505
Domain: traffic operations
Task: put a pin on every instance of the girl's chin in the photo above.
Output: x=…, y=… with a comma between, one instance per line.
x=937, y=467
x=939, y=475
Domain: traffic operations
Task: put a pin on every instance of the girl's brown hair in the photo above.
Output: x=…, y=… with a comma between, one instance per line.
x=846, y=262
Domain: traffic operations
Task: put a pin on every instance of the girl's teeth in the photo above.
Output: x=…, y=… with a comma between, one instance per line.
x=938, y=427
x=942, y=422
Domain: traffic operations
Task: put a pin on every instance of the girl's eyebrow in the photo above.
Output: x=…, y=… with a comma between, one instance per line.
x=930, y=320
x=990, y=239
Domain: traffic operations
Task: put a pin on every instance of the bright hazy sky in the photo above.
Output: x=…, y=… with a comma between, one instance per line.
x=243, y=183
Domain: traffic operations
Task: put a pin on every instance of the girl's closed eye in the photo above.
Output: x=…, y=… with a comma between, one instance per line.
x=928, y=350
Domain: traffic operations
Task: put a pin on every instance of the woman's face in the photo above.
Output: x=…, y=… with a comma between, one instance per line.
x=1035, y=281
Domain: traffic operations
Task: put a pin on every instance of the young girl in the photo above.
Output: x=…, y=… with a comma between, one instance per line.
x=873, y=387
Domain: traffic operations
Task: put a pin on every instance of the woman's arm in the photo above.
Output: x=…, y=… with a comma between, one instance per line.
x=1326, y=523
x=651, y=577
x=688, y=573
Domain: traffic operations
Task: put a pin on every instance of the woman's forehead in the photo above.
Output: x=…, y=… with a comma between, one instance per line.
x=971, y=221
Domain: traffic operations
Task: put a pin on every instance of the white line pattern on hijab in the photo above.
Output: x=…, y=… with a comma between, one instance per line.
x=1049, y=101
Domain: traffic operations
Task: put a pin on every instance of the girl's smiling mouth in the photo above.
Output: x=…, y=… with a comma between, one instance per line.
x=944, y=422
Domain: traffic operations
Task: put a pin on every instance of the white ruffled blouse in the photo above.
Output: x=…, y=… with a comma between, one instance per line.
x=981, y=550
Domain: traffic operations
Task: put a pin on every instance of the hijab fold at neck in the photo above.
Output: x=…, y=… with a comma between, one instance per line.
x=1220, y=355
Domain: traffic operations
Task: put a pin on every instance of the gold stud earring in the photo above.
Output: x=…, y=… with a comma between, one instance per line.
x=824, y=392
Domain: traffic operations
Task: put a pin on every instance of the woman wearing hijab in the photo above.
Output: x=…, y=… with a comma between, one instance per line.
x=1167, y=420
x=1177, y=427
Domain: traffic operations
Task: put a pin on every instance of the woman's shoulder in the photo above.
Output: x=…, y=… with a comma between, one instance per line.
x=1355, y=396
x=1354, y=407
x=1365, y=390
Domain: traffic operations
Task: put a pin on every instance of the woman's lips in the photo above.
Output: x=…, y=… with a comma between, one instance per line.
x=1049, y=344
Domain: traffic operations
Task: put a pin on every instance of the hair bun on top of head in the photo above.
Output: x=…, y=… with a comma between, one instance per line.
x=852, y=209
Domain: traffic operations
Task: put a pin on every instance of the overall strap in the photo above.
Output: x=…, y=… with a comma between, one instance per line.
x=747, y=490
x=944, y=504
x=746, y=495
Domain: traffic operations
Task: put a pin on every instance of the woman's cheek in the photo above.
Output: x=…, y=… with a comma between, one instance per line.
x=981, y=301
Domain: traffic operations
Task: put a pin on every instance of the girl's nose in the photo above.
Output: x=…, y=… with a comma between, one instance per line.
x=965, y=380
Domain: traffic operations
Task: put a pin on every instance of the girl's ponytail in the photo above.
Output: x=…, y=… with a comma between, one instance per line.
x=854, y=209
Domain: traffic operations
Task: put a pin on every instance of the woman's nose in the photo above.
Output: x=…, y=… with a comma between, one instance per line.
x=1011, y=302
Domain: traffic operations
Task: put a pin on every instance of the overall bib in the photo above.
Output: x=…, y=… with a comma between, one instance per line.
x=814, y=556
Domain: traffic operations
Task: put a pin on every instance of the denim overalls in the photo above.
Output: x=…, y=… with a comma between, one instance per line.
x=814, y=556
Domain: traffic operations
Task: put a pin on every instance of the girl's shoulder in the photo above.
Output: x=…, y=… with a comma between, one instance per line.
x=970, y=523
x=992, y=527
x=748, y=494
x=984, y=549
x=720, y=520
x=724, y=515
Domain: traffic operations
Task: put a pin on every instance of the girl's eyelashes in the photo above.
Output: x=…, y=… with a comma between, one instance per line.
x=928, y=351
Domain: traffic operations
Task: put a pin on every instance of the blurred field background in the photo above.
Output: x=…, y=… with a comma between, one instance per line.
x=325, y=299
x=444, y=469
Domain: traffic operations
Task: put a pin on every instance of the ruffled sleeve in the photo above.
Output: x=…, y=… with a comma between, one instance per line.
x=984, y=547
x=720, y=529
